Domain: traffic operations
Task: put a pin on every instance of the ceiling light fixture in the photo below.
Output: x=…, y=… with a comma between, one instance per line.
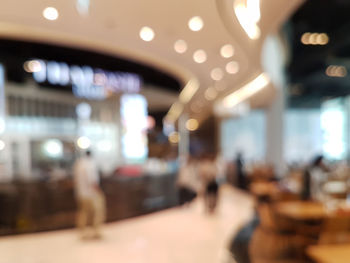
x=305, y=38
x=216, y=74
x=227, y=51
x=246, y=91
x=32, y=66
x=210, y=93
x=192, y=124
x=232, y=67
x=314, y=39
x=195, y=23
x=147, y=34
x=200, y=56
x=185, y=96
x=253, y=7
x=336, y=71
x=188, y=91
x=322, y=39
x=248, y=15
x=174, y=112
x=174, y=137
x=180, y=46
x=50, y=13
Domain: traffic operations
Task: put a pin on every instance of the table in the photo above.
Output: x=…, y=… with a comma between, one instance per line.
x=330, y=253
x=302, y=210
x=264, y=188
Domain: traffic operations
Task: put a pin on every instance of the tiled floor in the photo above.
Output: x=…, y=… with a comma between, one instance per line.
x=177, y=235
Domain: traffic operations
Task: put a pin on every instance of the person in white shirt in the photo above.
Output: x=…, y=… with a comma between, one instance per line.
x=90, y=198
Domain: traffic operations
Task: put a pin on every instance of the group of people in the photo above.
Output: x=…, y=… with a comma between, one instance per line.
x=197, y=177
x=200, y=177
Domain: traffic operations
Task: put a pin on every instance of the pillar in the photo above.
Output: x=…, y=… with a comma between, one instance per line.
x=273, y=61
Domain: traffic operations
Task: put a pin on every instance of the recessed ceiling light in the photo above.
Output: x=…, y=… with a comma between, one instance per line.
x=246, y=91
x=336, y=71
x=232, y=67
x=322, y=39
x=180, y=46
x=216, y=74
x=50, y=13
x=305, y=38
x=314, y=38
x=195, y=23
x=200, y=56
x=227, y=51
x=248, y=15
x=32, y=66
x=147, y=33
x=210, y=93
x=174, y=137
x=192, y=124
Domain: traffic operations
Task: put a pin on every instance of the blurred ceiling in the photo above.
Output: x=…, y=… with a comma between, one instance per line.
x=112, y=27
x=310, y=85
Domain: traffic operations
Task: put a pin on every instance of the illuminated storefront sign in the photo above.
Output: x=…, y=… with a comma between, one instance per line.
x=134, y=121
x=2, y=100
x=86, y=82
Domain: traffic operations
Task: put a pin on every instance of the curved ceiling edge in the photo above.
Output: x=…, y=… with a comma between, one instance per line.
x=229, y=21
x=30, y=33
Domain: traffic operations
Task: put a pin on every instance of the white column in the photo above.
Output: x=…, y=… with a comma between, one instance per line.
x=5, y=153
x=275, y=133
x=2, y=100
x=184, y=143
x=273, y=60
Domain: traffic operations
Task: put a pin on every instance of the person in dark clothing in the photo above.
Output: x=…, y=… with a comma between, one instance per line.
x=306, y=188
x=317, y=166
x=208, y=175
x=241, y=178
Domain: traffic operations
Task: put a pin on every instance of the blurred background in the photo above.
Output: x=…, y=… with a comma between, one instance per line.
x=227, y=121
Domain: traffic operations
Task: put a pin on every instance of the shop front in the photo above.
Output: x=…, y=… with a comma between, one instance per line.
x=53, y=109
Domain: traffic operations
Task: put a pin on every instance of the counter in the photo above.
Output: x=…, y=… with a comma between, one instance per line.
x=40, y=206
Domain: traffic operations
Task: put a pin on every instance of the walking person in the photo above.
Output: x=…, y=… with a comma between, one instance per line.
x=90, y=198
x=208, y=173
x=241, y=176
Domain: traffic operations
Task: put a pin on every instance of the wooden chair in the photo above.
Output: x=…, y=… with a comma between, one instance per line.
x=275, y=239
x=335, y=230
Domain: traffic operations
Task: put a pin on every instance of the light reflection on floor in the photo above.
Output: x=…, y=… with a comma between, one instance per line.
x=177, y=235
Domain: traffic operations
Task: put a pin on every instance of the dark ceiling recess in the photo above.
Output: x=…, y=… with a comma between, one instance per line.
x=14, y=53
x=309, y=84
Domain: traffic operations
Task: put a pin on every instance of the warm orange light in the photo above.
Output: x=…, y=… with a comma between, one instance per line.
x=192, y=124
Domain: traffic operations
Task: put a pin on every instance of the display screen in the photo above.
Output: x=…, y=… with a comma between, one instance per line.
x=134, y=122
